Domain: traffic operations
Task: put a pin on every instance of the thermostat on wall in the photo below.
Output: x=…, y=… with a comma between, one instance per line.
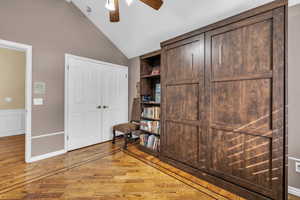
x=39, y=87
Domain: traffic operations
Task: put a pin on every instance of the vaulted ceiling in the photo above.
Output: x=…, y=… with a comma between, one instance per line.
x=141, y=28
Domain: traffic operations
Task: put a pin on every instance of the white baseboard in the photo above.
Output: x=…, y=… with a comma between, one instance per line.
x=12, y=133
x=294, y=191
x=48, y=155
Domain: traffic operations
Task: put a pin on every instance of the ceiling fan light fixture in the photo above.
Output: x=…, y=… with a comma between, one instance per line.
x=129, y=2
x=110, y=5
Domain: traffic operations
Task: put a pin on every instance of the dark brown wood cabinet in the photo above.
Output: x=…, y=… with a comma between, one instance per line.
x=223, y=102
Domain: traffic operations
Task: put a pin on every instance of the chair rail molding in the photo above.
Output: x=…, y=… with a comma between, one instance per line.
x=12, y=122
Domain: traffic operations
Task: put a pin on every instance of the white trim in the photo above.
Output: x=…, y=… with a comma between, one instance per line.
x=28, y=90
x=294, y=2
x=67, y=58
x=48, y=155
x=12, y=133
x=295, y=159
x=294, y=191
x=4, y=111
x=47, y=135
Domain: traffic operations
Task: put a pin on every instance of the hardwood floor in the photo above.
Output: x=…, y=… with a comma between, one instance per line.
x=98, y=172
x=14, y=172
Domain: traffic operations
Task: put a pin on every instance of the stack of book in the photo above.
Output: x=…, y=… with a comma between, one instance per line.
x=150, y=126
x=150, y=141
x=157, y=93
x=151, y=112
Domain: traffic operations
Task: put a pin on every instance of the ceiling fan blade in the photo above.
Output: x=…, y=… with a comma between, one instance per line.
x=156, y=4
x=115, y=15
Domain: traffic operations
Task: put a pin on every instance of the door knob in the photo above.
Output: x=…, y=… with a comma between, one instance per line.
x=99, y=107
x=105, y=107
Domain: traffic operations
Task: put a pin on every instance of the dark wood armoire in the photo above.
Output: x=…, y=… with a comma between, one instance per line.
x=223, y=102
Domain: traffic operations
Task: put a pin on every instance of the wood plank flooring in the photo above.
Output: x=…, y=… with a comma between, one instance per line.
x=98, y=172
x=14, y=172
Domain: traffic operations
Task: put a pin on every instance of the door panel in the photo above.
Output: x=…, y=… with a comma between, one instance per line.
x=84, y=117
x=242, y=104
x=183, y=143
x=183, y=102
x=242, y=51
x=183, y=99
x=244, y=95
x=115, y=97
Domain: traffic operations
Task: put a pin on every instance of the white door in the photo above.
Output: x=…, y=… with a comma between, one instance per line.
x=84, y=99
x=115, y=100
x=97, y=100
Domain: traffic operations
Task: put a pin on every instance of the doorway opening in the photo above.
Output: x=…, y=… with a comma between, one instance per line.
x=15, y=98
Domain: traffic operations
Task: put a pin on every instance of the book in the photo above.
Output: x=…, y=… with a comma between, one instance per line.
x=150, y=126
x=151, y=112
x=150, y=141
x=157, y=93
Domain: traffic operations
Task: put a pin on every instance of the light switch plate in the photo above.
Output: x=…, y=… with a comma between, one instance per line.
x=38, y=101
x=298, y=167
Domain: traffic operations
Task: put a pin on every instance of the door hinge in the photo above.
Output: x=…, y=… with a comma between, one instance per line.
x=68, y=67
x=126, y=75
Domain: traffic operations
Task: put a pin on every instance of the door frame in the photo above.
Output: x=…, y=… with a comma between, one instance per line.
x=28, y=91
x=66, y=109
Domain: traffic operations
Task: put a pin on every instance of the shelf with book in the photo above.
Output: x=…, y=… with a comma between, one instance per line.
x=151, y=76
x=149, y=118
x=150, y=133
x=150, y=101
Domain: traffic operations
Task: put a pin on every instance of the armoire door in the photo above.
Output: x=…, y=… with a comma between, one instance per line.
x=84, y=99
x=115, y=100
x=245, y=102
x=183, y=138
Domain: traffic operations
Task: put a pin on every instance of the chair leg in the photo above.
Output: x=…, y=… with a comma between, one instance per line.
x=114, y=137
x=125, y=140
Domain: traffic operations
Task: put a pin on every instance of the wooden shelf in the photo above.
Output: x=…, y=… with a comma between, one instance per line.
x=151, y=103
x=147, y=150
x=150, y=132
x=150, y=118
x=151, y=76
x=149, y=63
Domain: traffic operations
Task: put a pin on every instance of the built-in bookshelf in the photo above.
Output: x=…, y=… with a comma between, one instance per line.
x=150, y=103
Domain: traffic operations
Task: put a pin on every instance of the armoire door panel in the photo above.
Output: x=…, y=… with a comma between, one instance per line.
x=186, y=62
x=243, y=51
x=245, y=158
x=183, y=90
x=182, y=143
x=242, y=104
x=183, y=102
x=242, y=90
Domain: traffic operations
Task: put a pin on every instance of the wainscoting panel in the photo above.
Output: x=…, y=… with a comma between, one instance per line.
x=12, y=122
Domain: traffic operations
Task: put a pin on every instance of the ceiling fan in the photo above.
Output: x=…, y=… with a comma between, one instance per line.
x=113, y=7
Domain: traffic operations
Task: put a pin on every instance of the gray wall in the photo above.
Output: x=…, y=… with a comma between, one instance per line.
x=53, y=28
x=294, y=93
x=134, y=77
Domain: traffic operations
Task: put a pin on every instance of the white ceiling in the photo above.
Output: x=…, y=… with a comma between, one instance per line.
x=141, y=28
